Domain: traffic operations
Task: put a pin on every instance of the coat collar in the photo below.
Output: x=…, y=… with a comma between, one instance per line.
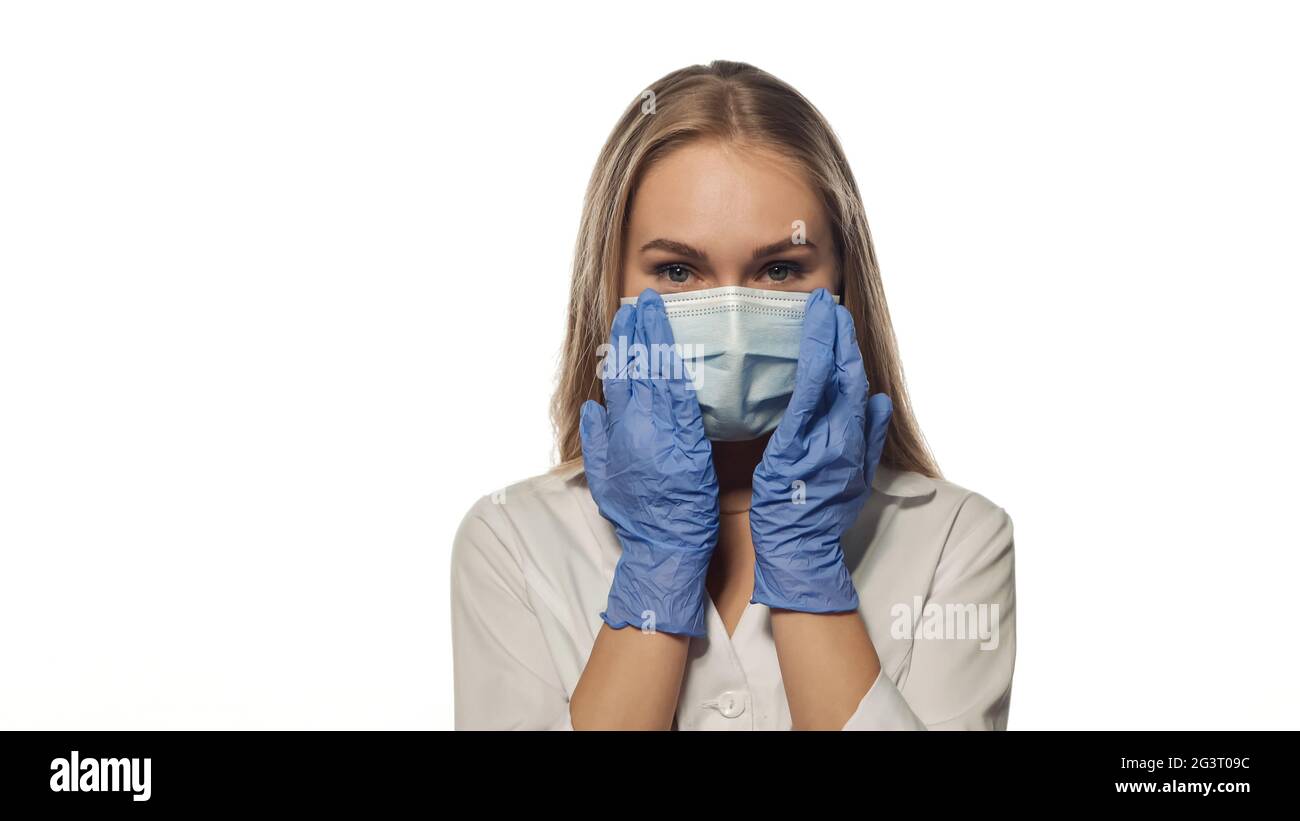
x=889, y=481
x=903, y=484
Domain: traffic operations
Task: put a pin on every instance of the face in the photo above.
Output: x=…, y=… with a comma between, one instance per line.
x=711, y=214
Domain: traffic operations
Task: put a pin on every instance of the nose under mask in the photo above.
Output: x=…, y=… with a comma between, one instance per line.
x=741, y=348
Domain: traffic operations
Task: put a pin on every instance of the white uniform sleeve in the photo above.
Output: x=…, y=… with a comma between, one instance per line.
x=504, y=676
x=955, y=683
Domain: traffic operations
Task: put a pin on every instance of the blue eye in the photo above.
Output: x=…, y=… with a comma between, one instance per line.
x=781, y=271
x=674, y=272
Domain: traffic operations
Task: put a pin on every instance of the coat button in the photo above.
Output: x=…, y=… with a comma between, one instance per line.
x=731, y=704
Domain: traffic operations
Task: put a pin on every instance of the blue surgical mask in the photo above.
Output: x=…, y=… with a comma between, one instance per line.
x=741, y=349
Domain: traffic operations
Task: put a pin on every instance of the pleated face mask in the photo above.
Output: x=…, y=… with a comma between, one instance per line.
x=740, y=347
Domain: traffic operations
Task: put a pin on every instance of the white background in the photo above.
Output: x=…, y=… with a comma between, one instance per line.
x=282, y=287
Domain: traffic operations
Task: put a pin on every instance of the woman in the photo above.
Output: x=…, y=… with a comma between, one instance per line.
x=746, y=530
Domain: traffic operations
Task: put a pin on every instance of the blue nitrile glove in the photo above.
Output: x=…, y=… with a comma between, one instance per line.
x=816, y=471
x=650, y=470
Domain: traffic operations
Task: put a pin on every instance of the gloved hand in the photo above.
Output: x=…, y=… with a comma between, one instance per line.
x=650, y=470
x=830, y=440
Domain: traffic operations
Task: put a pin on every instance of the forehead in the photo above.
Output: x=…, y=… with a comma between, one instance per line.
x=722, y=194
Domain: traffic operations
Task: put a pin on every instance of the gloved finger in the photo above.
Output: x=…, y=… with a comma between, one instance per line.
x=816, y=362
x=592, y=427
x=640, y=377
x=690, y=419
x=652, y=320
x=617, y=389
x=657, y=328
x=654, y=330
x=850, y=372
x=673, y=385
x=880, y=410
x=665, y=359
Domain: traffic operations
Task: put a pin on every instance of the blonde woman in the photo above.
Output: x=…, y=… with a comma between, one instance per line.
x=746, y=530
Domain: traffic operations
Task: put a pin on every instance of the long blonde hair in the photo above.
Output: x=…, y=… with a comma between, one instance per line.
x=739, y=103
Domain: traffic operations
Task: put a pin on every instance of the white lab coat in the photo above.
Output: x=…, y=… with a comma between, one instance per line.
x=933, y=564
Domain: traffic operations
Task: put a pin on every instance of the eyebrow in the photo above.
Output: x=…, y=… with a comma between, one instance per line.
x=782, y=245
x=681, y=248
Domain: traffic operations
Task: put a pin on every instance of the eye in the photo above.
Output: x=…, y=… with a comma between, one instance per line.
x=674, y=272
x=781, y=271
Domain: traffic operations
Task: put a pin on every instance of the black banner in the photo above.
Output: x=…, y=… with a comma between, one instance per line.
x=144, y=772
